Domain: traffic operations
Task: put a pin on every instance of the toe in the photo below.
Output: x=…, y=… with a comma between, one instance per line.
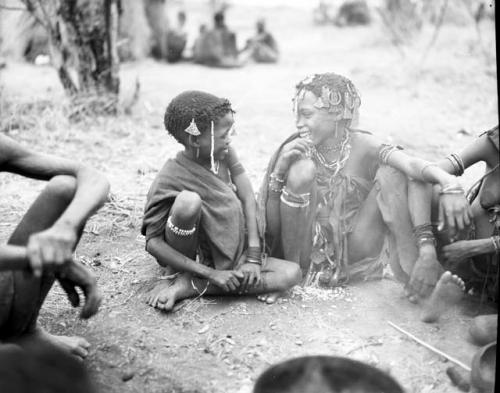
x=84, y=343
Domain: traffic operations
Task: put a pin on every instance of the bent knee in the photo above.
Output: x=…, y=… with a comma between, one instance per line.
x=187, y=206
x=292, y=275
x=62, y=186
x=389, y=179
x=301, y=176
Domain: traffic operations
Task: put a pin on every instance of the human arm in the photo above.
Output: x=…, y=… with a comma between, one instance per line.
x=70, y=276
x=465, y=249
x=251, y=268
x=166, y=255
x=56, y=244
x=453, y=206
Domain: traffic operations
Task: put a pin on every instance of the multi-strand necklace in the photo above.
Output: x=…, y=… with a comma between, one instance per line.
x=334, y=167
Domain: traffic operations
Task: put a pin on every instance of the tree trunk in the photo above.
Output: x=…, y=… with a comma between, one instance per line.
x=83, y=36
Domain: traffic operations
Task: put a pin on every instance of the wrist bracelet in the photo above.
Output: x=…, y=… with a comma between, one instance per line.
x=452, y=189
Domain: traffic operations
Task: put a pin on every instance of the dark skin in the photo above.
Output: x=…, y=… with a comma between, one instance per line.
x=327, y=128
x=179, y=252
x=42, y=245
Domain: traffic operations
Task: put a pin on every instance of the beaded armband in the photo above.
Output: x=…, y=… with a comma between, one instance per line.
x=385, y=151
x=291, y=199
x=178, y=231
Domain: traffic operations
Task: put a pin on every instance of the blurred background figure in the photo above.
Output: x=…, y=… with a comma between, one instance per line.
x=217, y=47
x=325, y=374
x=262, y=48
x=353, y=12
x=177, y=39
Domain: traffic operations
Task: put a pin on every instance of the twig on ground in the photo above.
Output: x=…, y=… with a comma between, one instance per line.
x=430, y=347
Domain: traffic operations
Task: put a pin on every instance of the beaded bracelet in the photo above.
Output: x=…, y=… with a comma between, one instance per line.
x=197, y=290
x=458, y=164
x=452, y=189
x=276, y=183
x=254, y=255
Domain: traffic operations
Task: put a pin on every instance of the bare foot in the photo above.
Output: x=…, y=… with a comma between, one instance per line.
x=73, y=345
x=166, y=293
x=269, y=298
x=448, y=292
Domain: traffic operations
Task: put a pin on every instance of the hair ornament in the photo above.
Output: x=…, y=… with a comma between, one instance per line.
x=192, y=129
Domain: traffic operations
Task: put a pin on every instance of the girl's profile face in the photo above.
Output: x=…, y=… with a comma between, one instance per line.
x=223, y=130
x=318, y=122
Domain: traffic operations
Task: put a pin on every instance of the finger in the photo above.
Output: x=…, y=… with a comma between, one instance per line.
x=441, y=217
x=71, y=292
x=238, y=274
x=450, y=221
x=251, y=280
x=235, y=282
x=459, y=217
x=467, y=216
x=244, y=283
x=230, y=285
x=35, y=261
x=48, y=255
x=92, y=299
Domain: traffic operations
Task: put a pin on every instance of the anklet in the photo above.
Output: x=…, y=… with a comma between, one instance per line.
x=178, y=231
x=423, y=234
x=197, y=290
x=254, y=256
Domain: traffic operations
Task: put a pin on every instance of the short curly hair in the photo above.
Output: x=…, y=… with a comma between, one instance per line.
x=198, y=105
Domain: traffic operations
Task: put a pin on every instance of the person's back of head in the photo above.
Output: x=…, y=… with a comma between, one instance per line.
x=181, y=18
x=219, y=21
x=324, y=374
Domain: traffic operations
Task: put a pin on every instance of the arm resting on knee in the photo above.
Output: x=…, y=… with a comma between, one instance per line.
x=13, y=258
x=168, y=256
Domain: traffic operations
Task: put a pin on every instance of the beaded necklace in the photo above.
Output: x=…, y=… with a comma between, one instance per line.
x=336, y=165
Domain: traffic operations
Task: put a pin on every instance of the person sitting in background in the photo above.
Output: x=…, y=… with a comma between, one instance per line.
x=177, y=39
x=199, y=220
x=217, y=47
x=262, y=48
x=41, y=248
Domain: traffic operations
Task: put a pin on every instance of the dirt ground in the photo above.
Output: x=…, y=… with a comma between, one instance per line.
x=223, y=344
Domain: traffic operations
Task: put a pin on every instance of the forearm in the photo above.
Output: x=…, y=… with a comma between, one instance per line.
x=91, y=193
x=481, y=246
x=419, y=203
x=168, y=256
x=246, y=195
x=13, y=258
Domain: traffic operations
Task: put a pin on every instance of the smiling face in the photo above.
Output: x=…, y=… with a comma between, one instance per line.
x=320, y=123
x=223, y=130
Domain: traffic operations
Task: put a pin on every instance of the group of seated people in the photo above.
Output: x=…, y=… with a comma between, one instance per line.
x=217, y=47
x=334, y=202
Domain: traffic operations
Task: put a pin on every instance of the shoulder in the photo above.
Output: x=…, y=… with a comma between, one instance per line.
x=366, y=141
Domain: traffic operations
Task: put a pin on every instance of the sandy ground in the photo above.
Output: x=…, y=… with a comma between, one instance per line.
x=221, y=345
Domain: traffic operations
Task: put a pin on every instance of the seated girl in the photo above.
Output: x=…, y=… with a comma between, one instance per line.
x=334, y=198
x=200, y=216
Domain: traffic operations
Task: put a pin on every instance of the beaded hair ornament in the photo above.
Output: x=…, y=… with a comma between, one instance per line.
x=331, y=99
x=193, y=130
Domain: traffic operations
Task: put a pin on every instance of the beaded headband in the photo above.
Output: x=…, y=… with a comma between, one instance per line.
x=330, y=99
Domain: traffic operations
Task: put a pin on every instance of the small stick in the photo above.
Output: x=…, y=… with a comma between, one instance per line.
x=430, y=347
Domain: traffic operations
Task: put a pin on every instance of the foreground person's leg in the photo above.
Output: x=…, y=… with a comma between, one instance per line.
x=30, y=292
